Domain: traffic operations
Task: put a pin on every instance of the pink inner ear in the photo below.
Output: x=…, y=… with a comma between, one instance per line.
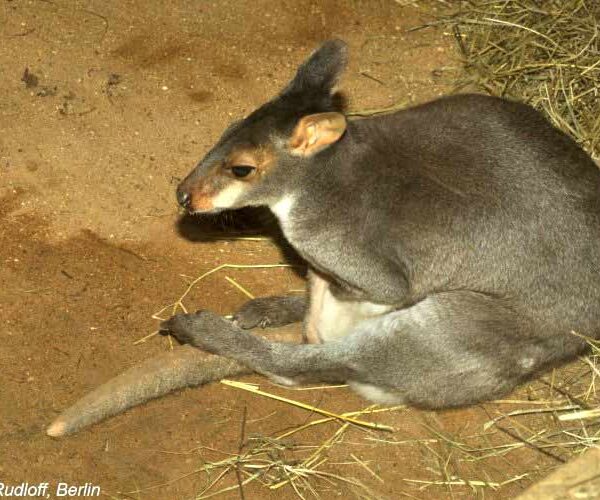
x=315, y=132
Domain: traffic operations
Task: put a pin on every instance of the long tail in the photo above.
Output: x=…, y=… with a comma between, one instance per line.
x=185, y=366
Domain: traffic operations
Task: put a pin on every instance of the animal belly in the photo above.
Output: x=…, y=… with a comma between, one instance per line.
x=330, y=318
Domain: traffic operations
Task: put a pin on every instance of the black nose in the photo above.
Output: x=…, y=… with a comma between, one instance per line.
x=183, y=198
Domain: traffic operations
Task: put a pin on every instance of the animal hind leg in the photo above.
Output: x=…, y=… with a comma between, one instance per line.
x=450, y=349
x=284, y=361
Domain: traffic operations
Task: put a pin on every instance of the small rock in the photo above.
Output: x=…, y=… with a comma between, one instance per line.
x=29, y=79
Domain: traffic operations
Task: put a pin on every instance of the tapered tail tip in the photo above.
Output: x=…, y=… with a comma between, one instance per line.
x=56, y=429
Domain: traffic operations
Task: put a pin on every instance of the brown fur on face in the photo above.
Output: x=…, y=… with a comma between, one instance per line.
x=221, y=176
x=201, y=201
x=203, y=191
x=261, y=157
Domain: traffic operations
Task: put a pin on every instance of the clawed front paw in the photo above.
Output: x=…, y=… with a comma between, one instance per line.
x=203, y=329
x=182, y=326
x=251, y=315
x=268, y=312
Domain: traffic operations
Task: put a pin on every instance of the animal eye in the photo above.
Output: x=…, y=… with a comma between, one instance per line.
x=242, y=170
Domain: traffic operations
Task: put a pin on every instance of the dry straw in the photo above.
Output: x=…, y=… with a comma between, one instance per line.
x=544, y=52
x=553, y=418
x=265, y=459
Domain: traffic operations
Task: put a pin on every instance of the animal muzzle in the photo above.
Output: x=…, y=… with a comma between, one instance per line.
x=183, y=198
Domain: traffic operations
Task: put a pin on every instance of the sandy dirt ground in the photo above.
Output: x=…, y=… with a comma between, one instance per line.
x=104, y=106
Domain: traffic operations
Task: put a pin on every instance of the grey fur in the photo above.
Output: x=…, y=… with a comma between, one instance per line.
x=473, y=217
x=461, y=237
x=271, y=312
x=183, y=367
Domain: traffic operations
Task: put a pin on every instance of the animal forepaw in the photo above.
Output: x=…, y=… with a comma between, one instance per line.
x=203, y=329
x=265, y=312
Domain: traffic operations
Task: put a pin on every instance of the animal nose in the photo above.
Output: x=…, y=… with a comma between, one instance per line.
x=183, y=198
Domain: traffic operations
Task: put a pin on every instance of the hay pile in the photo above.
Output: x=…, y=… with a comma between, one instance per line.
x=543, y=52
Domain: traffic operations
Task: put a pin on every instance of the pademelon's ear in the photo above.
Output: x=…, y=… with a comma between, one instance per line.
x=313, y=133
x=321, y=71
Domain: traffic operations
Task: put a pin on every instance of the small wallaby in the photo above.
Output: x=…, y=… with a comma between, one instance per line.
x=453, y=247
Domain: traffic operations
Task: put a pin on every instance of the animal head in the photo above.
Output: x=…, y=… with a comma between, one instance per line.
x=256, y=156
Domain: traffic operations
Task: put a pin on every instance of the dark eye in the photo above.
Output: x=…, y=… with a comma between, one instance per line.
x=242, y=170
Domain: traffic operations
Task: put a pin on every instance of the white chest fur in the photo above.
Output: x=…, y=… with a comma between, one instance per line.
x=283, y=209
x=330, y=318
